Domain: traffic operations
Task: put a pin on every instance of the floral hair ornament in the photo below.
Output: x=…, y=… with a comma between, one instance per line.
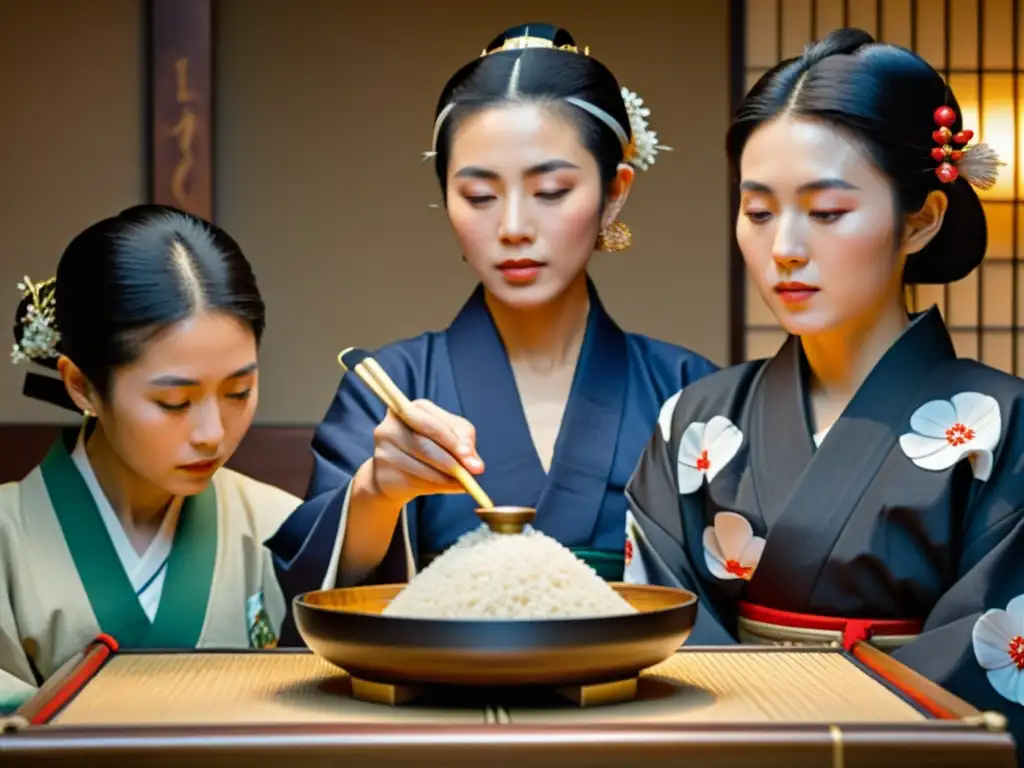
x=40, y=336
x=978, y=164
x=644, y=147
x=640, y=151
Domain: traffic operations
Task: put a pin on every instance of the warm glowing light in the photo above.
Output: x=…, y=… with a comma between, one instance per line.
x=996, y=123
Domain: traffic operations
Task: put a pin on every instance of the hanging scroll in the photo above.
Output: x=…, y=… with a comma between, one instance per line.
x=181, y=105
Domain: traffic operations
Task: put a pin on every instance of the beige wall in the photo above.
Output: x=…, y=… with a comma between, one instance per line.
x=71, y=144
x=323, y=109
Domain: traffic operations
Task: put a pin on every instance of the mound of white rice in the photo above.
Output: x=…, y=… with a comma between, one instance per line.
x=487, y=575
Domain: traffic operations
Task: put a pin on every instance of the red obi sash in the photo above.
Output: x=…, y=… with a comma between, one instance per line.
x=805, y=625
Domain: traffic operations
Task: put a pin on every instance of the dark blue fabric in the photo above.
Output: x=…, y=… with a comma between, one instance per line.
x=620, y=384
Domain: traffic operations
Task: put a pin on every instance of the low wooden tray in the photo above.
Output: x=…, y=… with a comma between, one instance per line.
x=742, y=705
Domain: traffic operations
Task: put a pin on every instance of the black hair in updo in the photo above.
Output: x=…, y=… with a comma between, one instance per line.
x=126, y=278
x=546, y=75
x=885, y=97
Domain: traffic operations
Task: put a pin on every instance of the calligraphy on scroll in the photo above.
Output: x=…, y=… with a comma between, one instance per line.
x=182, y=100
x=185, y=132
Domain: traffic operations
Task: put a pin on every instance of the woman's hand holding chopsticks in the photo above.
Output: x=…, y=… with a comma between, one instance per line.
x=407, y=462
x=418, y=449
x=417, y=456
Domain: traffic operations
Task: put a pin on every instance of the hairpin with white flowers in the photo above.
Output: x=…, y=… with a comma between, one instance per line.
x=978, y=164
x=644, y=147
x=40, y=336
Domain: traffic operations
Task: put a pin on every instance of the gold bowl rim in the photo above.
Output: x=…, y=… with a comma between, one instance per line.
x=688, y=598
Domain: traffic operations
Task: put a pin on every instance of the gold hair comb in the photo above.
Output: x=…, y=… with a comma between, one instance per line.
x=529, y=41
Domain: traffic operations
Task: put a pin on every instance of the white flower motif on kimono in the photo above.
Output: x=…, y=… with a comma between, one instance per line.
x=665, y=417
x=705, y=450
x=634, y=571
x=998, y=639
x=946, y=431
x=731, y=550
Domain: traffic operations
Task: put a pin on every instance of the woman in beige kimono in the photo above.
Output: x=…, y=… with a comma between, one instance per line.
x=131, y=526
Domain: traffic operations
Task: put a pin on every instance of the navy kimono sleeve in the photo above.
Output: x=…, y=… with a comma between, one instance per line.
x=304, y=547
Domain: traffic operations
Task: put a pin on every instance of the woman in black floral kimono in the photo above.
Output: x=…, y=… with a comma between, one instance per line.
x=864, y=483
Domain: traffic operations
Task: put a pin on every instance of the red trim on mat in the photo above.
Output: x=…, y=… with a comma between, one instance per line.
x=909, y=691
x=853, y=630
x=96, y=656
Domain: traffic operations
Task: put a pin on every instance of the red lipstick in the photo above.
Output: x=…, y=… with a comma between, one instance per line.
x=795, y=293
x=519, y=271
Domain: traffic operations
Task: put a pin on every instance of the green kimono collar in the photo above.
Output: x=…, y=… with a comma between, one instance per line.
x=186, y=591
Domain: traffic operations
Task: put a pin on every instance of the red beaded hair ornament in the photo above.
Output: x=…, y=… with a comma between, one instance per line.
x=978, y=164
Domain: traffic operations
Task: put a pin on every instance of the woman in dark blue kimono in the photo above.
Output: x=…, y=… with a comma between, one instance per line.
x=536, y=147
x=864, y=484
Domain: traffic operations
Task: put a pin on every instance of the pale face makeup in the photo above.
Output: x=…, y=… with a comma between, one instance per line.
x=524, y=200
x=817, y=227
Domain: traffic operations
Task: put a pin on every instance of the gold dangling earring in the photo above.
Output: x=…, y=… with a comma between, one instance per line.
x=614, y=238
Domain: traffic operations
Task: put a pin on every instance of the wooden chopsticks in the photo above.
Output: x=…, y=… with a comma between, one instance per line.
x=370, y=372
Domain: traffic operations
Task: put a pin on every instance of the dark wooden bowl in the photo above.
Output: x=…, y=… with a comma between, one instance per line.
x=345, y=627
